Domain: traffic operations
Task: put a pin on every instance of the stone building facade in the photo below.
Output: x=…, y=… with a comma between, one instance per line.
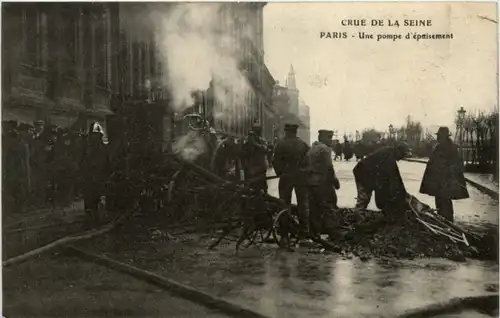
x=247, y=21
x=68, y=61
x=58, y=62
x=304, y=132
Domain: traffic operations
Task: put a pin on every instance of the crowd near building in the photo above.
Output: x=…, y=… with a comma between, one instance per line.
x=67, y=65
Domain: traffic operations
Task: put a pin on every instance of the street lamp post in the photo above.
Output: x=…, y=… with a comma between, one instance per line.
x=460, y=122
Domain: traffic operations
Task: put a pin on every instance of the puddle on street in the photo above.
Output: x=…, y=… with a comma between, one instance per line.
x=303, y=284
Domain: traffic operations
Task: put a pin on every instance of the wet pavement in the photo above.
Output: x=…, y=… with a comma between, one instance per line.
x=478, y=209
x=305, y=284
x=68, y=287
x=264, y=279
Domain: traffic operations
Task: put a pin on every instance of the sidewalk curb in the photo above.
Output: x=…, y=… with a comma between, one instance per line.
x=492, y=193
x=453, y=305
x=174, y=287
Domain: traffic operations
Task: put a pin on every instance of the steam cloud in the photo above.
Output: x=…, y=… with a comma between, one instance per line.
x=196, y=46
x=190, y=146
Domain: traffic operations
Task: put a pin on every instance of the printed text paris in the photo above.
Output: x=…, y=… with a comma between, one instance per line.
x=389, y=22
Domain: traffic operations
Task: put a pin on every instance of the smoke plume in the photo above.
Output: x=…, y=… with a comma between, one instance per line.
x=198, y=48
x=190, y=146
x=197, y=45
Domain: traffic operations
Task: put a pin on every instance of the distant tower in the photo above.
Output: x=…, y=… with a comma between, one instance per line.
x=292, y=91
x=290, y=80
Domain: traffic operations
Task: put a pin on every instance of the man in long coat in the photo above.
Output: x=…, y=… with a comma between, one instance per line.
x=338, y=150
x=444, y=175
x=347, y=150
x=95, y=168
x=322, y=182
x=14, y=174
x=379, y=172
x=290, y=164
x=256, y=164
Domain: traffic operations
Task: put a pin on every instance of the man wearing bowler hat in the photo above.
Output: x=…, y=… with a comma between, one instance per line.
x=290, y=164
x=444, y=175
x=322, y=182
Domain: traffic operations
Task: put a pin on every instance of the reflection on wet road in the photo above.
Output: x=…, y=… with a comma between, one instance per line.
x=305, y=284
x=478, y=208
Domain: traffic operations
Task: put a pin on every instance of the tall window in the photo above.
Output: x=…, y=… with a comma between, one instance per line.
x=125, y=64
x=136, y=68
x=34, y=37
x=71, y=38
x=101, y=44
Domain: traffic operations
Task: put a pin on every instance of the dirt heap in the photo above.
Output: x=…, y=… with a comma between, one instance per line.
x=372, y=234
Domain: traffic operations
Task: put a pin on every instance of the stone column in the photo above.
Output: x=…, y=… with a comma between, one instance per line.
x=11, y=49
x=55, y=66
x=88, y=52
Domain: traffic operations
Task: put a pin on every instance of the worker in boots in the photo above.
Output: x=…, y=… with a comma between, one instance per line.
x=323, y=184
x=379, y=172
x=291, y=166
x=95, y=168
x=255, y=150
x=444, y=175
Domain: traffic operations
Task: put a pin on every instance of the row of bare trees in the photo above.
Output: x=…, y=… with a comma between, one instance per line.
x=476, y=136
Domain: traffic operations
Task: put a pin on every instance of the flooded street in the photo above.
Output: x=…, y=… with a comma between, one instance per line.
x=479, y=208
x=303, y=284
x=261, y=278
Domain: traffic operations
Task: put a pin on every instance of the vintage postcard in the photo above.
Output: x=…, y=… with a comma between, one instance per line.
x=257, y=159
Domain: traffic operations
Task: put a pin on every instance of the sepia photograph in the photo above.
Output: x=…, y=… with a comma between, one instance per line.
x=250, y=159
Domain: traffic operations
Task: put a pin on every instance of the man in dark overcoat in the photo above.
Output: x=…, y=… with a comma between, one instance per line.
x=95, y=168
x=444, y=175
x=290, y=164
x=338, y=150
x=14, y=174
x=255, y=152
x=347, y=149
x=379, y=172
x=322, y=183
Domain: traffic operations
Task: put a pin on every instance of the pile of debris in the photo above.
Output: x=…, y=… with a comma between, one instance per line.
x=417, y=233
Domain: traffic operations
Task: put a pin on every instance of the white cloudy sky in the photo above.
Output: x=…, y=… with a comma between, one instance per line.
x=374, y=84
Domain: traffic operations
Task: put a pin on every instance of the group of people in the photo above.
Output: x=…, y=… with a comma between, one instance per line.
x=310, y=172
x=359, y=149
x=47, y=166
x=39, y=164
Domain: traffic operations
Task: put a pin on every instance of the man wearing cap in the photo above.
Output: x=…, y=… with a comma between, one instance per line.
x=290, y=164
x=379, y=172
x=322, y=181
x=444, y=175
x=14, y=174
x=255, y=150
